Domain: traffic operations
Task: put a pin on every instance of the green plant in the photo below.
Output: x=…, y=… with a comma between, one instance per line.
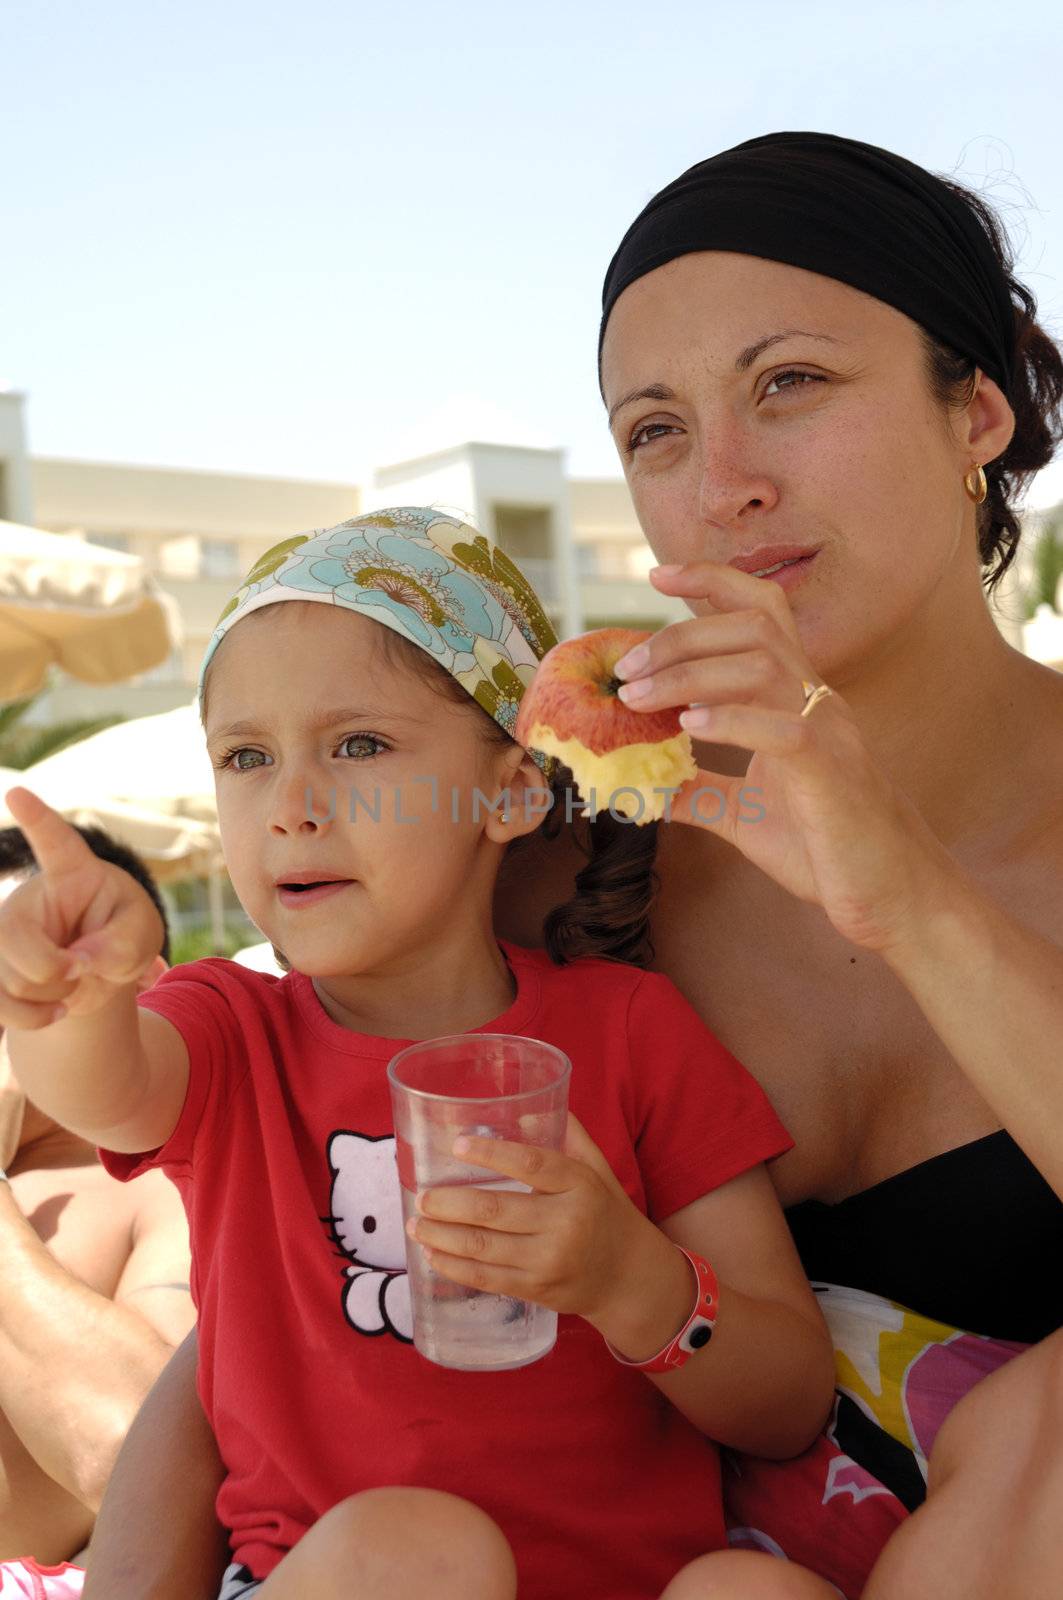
x=192, y=944
x=23, y=746
x=1048, y=561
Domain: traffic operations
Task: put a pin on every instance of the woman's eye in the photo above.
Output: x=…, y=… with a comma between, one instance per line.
x=648, y=432
x=361, y=745
x=793, y=380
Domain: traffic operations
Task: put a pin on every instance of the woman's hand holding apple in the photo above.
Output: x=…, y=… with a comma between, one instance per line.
x=814, y=809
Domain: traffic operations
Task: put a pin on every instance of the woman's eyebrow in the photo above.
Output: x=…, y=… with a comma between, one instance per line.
x=651, y=391
x=745, y=359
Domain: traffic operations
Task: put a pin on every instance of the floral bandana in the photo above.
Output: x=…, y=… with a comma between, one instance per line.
x=427, y=576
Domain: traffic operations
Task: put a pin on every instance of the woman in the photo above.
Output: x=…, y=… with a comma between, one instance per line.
x=811, y=353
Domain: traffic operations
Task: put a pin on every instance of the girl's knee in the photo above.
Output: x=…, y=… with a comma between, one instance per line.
x=395, y=1538
x=744, y=1575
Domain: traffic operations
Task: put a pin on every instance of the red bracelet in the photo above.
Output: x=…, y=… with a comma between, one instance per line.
x=695, y=1332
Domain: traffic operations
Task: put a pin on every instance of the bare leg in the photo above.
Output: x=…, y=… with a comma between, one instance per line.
x=156, y=1535
x=990, y=1528
x=744, y=1575
x=391, y=1544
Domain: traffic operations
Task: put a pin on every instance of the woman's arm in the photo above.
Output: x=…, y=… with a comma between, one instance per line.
x=156, y=1535
x=818, y=814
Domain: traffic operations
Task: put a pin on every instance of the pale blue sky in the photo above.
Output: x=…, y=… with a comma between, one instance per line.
x=290, y=238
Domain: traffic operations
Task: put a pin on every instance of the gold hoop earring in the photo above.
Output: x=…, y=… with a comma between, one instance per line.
x=977, y=490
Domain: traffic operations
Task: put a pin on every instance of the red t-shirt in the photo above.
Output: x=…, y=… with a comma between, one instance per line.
x=285, y=1157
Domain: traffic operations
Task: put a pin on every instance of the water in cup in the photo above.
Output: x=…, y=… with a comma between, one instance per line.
x=465, y=1328
x=501, y=1086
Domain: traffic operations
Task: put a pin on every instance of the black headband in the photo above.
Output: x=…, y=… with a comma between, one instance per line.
x=843, y=209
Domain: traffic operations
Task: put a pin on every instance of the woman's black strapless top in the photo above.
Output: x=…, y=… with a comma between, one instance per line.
x=972, y=1238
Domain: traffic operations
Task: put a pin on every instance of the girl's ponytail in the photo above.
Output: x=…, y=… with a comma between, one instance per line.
x=609, y=914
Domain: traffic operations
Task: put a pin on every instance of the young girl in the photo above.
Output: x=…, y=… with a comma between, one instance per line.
x=366, y=796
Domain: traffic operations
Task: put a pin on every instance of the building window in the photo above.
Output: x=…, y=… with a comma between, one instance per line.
x=525, y=532
x=219, y=558
x=613, y=561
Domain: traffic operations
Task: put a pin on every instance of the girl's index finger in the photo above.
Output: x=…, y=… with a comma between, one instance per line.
x=57, y=847
x=547, y=1171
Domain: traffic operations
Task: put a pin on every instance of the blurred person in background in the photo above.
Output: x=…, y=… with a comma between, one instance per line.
x=94, y=1297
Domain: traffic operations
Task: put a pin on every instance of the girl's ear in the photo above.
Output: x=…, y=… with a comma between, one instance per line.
x=528, y=798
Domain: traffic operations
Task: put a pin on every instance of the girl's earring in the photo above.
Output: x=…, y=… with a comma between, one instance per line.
x=975, y=484
x=503, y=816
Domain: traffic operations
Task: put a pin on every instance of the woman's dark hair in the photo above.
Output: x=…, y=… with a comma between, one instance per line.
x=1036, y=398
x=609, y=914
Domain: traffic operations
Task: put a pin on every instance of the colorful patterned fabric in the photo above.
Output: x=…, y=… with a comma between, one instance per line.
x=428, y=577
x=898, y=1377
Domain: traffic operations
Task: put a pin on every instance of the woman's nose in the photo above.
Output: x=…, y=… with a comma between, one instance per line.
x=731, y=488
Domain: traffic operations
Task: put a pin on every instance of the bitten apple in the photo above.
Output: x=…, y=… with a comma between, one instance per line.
x=618, y=757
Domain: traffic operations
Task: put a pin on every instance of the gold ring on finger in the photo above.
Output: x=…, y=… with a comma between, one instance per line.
x=814, y=693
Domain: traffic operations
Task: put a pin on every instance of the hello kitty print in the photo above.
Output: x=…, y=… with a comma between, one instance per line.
x=365, y=1222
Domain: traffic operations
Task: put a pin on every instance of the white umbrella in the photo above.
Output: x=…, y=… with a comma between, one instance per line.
x=260, y=958
x=173, y=847
x=157, y=763
x=65, y=601
x=150, y=770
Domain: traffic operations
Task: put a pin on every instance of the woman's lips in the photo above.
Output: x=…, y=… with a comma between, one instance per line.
x=789, y=576
x=312, y=894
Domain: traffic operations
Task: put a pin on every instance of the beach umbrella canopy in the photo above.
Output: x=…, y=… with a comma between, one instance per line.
x=157, y=764
x=66, y=602
x=260, y=958
x=148, y=781
x=171, y=846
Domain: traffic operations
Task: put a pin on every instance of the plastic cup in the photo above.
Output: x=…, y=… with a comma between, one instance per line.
x=494, y=1085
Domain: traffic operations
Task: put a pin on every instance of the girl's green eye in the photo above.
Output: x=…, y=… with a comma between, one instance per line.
x=237, y=759
x=362, y=744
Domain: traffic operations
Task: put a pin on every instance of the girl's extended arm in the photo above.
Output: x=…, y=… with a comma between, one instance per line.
x=74, y=939
x=156, y=1535
x=117, y=1077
